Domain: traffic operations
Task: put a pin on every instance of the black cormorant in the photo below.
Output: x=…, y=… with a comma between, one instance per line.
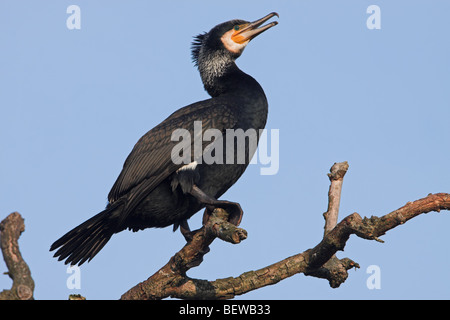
x=154, y=191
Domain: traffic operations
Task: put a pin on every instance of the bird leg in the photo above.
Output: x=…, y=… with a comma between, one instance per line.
x=189, y=235
x=186, y=231
x=233, y=208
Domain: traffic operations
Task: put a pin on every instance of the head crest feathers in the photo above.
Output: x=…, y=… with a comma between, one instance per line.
x=195, y=47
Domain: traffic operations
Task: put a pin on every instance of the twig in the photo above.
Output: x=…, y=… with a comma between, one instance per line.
x=336, y=175
x=23, y=285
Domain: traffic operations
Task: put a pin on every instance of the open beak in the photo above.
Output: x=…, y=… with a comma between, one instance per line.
x=249, y=31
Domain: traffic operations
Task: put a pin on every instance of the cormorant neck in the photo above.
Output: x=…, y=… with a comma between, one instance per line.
x=222, y=77
x=219, y=74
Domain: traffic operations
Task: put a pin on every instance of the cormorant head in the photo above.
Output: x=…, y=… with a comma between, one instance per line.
x=214, y=52
x=227, y=40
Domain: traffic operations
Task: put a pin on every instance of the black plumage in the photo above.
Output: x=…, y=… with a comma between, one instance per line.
x=152, y=190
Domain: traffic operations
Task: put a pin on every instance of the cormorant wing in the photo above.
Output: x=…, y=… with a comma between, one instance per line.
x=149, y=163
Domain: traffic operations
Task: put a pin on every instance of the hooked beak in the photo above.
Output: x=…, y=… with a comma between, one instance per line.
x=249, y=31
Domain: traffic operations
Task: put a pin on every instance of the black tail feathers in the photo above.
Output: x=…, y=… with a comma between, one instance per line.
x=82, y=243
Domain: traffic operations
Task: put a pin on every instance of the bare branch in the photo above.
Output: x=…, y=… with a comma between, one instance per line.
x=313, y=259
x=171, y=280
x=320, y=261
x=23, y=285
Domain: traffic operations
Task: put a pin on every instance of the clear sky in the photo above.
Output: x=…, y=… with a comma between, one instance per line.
x=74, y=102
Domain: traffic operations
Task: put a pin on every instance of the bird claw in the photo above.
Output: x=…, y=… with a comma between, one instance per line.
x=234, y=210
x=188, y=236
x=186, y=231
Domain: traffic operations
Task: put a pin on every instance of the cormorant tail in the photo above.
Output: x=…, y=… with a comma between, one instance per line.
x=82, y=243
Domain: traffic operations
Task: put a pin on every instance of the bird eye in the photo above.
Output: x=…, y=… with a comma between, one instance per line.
x=236, y=28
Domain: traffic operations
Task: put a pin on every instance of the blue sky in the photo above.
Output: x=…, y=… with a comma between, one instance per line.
x=74, y=103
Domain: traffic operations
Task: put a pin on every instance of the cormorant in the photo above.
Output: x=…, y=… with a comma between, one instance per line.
x=154, y=191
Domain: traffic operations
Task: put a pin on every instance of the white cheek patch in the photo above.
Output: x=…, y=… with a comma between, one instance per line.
x=231, y=45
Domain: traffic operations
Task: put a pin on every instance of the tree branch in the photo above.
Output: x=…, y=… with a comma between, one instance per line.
x=23, y=285
x=320, y=261
x=171, y=280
